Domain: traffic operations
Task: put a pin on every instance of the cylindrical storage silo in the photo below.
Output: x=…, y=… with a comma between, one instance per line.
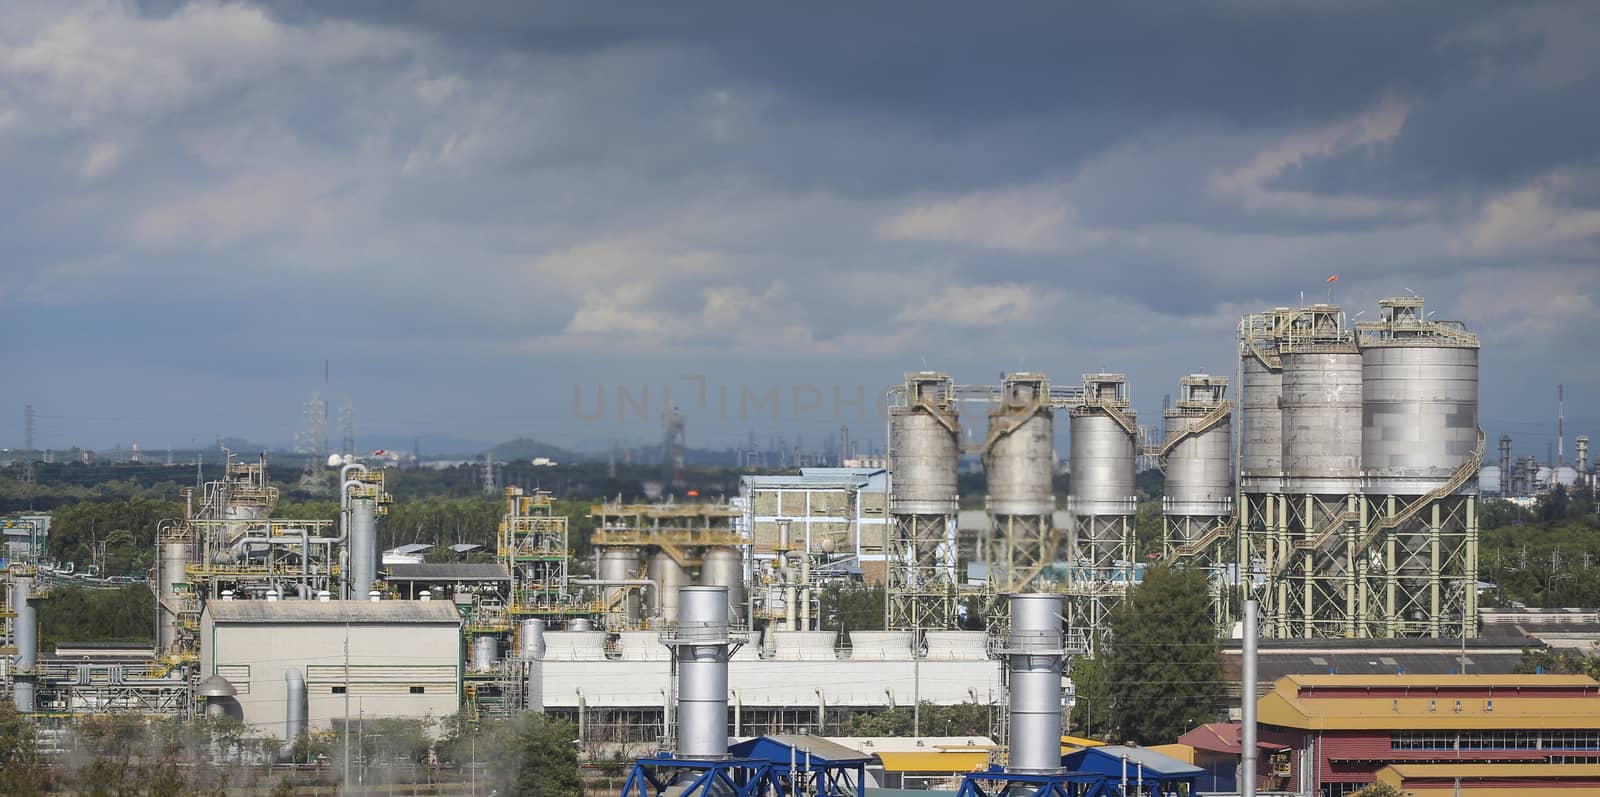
x=621, y=564
x=1034, y=653
x=723, y=566
x=1260, y=427
x=1103, y=455
x=1322, y=420
x=669, y=577
x=172, y=556
x=1198, y=460
x=1019, y=460
x=1420, y=410
x=700, y=644
x=924, y=449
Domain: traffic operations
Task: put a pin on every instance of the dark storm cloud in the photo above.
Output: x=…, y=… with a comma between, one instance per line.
x=473, y=205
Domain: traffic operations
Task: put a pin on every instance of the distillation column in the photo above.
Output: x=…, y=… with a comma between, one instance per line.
x=1198, y=504
x=24, y=686
x=1317, y=578
x=1018, y=458
x=924, y=453
x=1105, y=447
x=1421, y=449
x=173, y=546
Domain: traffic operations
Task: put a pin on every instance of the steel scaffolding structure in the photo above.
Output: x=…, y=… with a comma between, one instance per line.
x=1198, y=508
x=1103, y=543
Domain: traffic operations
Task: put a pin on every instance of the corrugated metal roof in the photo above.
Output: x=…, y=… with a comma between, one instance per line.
x=934, y=761
x=1108, y=759
x=449, y=571
x=1466, y=771
x=820, y=749
x=1427, y=702
x=337, y=612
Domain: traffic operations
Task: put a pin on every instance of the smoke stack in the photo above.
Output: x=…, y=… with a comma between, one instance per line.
x=1581, y=448
x=1034, y=651
x=701, y=646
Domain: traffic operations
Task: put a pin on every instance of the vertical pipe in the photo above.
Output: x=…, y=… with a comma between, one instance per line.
x=294, y=719
x=1034, y=652
x=1247, y=708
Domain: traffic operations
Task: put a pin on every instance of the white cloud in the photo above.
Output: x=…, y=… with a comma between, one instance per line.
x=1251, y=184
x=976, y=305
x=1029, y=219
x=1533, y=218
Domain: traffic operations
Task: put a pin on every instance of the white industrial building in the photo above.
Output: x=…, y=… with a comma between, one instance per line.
x=379, y=659
x=799, y=679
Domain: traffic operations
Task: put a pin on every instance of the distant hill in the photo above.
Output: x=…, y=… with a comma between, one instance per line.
x=526, y=448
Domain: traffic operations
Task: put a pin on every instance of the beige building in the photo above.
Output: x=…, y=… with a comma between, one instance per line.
x=389, y=658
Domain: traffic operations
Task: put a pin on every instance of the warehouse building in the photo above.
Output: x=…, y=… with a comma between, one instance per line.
x=379, y=659
x=1344, y=729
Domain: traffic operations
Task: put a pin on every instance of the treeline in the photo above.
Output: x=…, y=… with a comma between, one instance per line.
x=1544, y=557
x=80, y=614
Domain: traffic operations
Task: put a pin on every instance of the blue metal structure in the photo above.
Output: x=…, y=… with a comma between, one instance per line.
x=817, y=766
x=997, y=782
x=1145, y=772
x=652, y=776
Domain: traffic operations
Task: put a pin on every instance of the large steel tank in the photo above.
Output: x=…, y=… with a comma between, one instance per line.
x=1260, y=427
x=1103, y=455
x=1199, y=466
x=1322, y=420
x=723, y=566
x=1420, y=411
x=621, y=564
x=924, y=448
x=701, y=647
x=1019, y=458
x=669, y=577
x=1034, y=656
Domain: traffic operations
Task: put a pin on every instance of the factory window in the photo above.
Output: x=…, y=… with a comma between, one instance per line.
x=416, y=690
x=338, y=690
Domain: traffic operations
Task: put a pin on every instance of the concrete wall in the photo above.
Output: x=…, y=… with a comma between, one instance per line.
x=395, y=670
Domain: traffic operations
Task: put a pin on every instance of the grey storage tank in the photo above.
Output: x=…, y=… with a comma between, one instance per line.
x=1020, y=450
x=1419, y=400
x=620, y=564
x=924, y=448
x=1321, y=404
x=723, y=566
x=1198, y=461
x=1261, y=419
x=1105, y=447
x=669, y=578
x=701, y=644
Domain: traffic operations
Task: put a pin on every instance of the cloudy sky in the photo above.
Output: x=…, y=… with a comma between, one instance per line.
x=486, y=215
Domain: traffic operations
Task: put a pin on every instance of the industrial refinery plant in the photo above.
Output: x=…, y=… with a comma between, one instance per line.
x=1340, y=493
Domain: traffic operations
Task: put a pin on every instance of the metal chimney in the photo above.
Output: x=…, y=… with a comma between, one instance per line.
x=701, y=645
x=1035, y=652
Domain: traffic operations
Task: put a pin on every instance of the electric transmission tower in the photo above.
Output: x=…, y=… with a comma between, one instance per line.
x=347, y=426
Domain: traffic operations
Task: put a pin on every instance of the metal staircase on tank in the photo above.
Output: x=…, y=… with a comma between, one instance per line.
x=1457, y=480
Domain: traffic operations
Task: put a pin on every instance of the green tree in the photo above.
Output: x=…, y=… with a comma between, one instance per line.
x=1090, y=709
x=1378, y=790
x=1163, y=668
x=534, y=756
x=1560, y=661
x=852, y=608
x=22, y=773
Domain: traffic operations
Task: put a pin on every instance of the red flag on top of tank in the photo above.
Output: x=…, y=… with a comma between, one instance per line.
x=1334, y=278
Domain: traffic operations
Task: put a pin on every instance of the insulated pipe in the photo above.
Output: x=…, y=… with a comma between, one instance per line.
x=294, y=717
x=701, y=646
x=1034, y=654
x=27, y=625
